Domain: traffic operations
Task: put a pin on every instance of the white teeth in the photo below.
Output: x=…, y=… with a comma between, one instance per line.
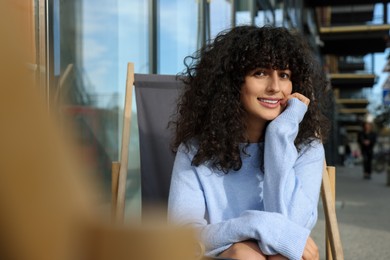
x=268, y=101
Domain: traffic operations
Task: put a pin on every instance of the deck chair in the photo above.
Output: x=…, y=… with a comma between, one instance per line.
x=156, y=96
x=153, y=136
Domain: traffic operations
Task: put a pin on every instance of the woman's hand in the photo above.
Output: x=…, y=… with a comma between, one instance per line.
x=297, y=95
x=311, y=250
x=248, y=250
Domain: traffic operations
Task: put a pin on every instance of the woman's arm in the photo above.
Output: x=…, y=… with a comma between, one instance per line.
x=292, y=180
x=187, y=206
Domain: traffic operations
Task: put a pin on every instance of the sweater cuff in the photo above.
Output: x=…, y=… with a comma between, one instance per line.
x=217, y=251
x=295, y=110
x=293, y=241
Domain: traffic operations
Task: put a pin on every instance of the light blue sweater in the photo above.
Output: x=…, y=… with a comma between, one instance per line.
x=277, y=207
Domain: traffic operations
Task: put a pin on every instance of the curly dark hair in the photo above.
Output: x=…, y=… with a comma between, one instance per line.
x=210, y=111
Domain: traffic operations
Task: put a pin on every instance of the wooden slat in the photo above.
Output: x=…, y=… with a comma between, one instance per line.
x=332, y=182
x=353, y=110
x=328, y=200
x=125, y=144
x=352, y=101
x=115, y=167
x=354, y=28
x=351, y=76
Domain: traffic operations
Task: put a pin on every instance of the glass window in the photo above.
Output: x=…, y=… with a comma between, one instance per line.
x=220, y=16
x=243, y=15
x=293, y=12
x=93, y=40
x=177, y=32
x=279, y=16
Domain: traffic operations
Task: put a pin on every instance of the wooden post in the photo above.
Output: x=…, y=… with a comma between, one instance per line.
x=120, y=210
x=328, y=200
x=332, y=182
x=115, y=167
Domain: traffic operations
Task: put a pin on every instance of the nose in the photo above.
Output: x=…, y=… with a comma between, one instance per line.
x=273, y=83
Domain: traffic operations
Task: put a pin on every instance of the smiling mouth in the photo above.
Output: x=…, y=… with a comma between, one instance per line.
x=269, y=101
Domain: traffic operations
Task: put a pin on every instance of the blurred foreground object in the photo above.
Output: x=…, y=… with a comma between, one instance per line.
x=47, y=200
x=43, y=195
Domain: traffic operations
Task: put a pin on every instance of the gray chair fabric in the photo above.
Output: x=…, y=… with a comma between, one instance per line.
x=156, y=97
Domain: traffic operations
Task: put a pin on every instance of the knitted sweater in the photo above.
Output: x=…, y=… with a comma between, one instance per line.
x=277, y=206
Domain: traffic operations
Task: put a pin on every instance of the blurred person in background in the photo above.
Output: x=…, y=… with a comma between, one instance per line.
x=367, y=140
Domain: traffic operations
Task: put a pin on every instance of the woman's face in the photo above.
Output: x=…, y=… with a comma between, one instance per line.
x=262, y=93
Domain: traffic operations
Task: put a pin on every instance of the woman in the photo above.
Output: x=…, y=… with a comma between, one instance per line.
x=248, y=137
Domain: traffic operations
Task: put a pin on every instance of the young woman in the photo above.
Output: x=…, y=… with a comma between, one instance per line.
x=248, y=142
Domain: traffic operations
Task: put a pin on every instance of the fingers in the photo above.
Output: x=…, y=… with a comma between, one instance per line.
x=299, y=96
x=311, y=250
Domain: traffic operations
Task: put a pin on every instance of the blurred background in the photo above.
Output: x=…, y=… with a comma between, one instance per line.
x=80, y=49
x=78, y=52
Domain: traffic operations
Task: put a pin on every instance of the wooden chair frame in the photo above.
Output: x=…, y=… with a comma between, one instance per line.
x=334, y=249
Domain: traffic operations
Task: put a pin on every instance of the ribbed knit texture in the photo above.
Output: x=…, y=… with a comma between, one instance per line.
x=277, y=207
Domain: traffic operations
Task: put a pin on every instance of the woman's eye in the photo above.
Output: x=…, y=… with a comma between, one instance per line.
x=285, y=75
x=259, y=73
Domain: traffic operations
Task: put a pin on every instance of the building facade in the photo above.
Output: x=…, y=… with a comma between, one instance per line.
x=80, y=50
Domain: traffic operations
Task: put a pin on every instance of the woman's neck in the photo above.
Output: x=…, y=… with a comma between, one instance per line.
x=255, y=133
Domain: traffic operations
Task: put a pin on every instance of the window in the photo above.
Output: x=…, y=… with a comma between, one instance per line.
x=177, y=34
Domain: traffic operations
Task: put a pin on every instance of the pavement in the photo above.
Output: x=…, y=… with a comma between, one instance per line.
x=363, y=214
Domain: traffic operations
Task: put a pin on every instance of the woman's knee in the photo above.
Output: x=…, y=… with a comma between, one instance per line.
x=248, y=250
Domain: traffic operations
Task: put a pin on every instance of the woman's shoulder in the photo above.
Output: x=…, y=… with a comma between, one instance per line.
x=189, y=147
x=313, y=147
x=186, y=153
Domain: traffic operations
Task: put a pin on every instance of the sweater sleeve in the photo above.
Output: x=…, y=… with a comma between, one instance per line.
x=292, y=180
x=187, y=206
